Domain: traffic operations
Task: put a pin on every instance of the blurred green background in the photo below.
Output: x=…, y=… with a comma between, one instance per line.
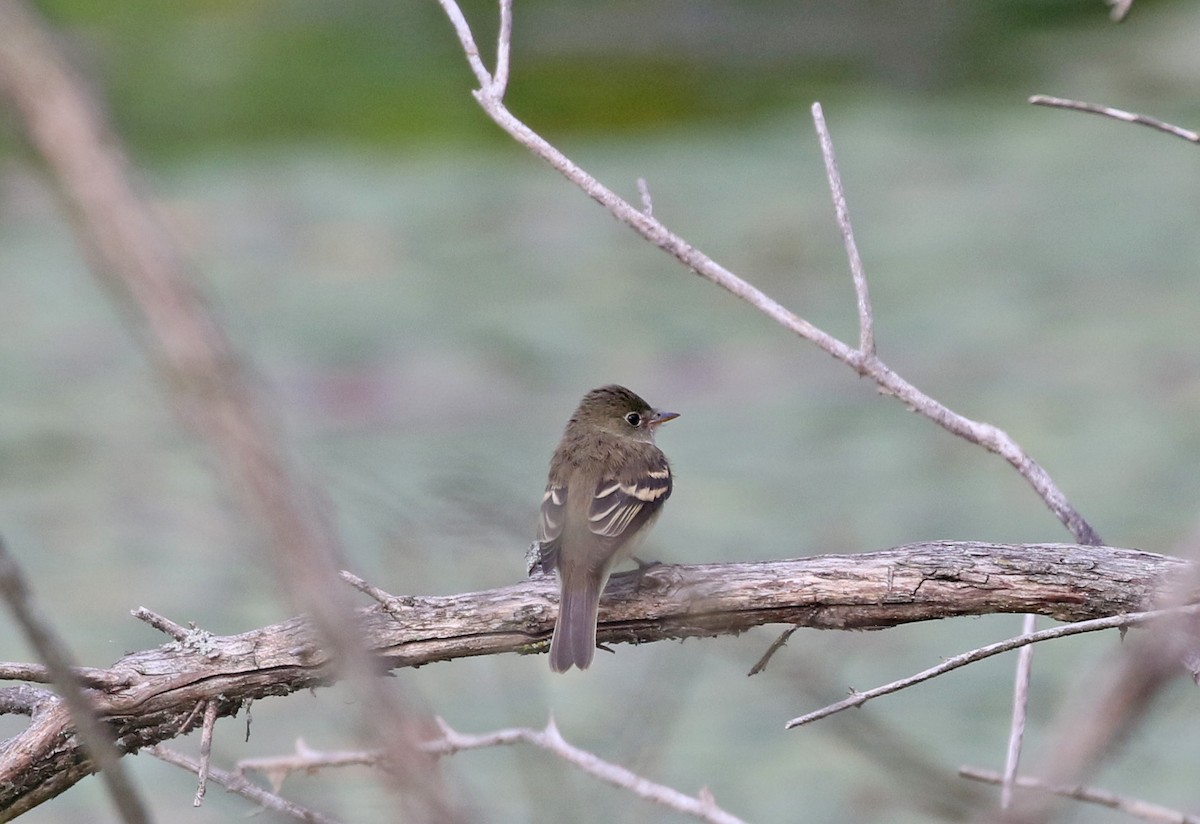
x=425, y=303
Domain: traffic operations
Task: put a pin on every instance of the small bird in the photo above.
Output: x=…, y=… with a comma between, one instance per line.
x=607, y=485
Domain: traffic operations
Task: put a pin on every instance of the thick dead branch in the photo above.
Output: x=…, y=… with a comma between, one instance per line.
x=150, y=696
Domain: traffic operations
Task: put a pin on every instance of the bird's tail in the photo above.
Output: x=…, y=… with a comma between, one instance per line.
x=574, y=640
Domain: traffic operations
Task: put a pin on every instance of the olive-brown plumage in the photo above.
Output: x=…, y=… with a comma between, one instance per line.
x=607, y=485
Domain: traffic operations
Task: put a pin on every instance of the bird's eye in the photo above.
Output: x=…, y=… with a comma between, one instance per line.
x=633, y=419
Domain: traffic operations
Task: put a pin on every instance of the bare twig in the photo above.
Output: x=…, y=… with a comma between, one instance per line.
x=51, y=649
x=985, y=435
x=860, y=698
x=463, y=30
x=866, y=320
x=236, y=783
x=1116, y=114
x=305, y=759
x=1135, y=807
x=385, y=599
x=776, y=645
x=702, y=806
x=206, y=735
x=161, y=623
x=88, y=676
x=1016, y=733
x=503, y=47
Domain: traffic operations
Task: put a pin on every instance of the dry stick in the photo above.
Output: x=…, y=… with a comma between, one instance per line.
x=1135, y=807
x=206, y=735
x=105, y=679
x=1016, y=734
x=490, y=98
x=866, y=319
x=161, y=623
x=136, y=257
x=50, y=648
x=305, y=759
x=503, y=50
x=1093, y=625
x=776, y=645
x=703, y=806
x=866, y=590
x=1116, y=114
x=244, y=787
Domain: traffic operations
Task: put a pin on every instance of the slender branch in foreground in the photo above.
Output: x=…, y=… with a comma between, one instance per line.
x=1115, y=114
x=490, y=98
x=703, y=806
x=239, y=784
x=1135, y=807
x=1016, y=734
x=1112, y=622
x=866, y=319
x=52, y=650
x=132, y=253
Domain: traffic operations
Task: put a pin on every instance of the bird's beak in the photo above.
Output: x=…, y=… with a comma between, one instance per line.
x=661, y=417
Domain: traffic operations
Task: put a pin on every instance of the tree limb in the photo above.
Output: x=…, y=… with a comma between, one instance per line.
x=150, y=696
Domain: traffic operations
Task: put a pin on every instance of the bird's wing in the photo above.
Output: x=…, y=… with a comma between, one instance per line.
x=550, y=524
x=621, y=505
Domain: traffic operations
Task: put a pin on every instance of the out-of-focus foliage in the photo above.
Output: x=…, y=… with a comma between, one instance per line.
x=203, y=73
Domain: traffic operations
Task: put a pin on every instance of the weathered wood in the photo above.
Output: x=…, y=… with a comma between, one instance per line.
x=152, y=696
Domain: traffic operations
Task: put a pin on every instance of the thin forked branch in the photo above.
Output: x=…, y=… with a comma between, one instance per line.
x=1093, y=625
x=307, y=760
x=701, y=806
x=237, y=783
x=490, y=97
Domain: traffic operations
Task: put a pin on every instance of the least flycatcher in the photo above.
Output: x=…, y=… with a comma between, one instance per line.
x=608, y=482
